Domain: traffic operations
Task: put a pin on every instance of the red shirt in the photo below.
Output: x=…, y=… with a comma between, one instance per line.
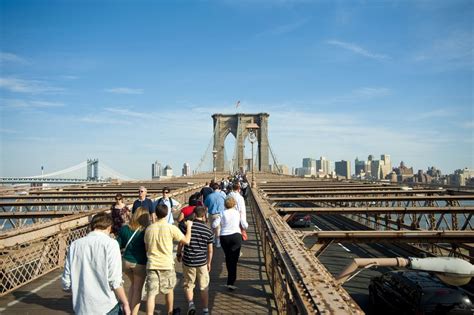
x=187, y=211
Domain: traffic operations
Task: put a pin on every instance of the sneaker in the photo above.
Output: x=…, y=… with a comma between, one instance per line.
x=205, y=312
x=231, y=287
x=191, y=309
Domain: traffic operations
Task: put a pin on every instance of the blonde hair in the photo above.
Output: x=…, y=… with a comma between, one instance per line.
x=140, y=219
x=230, y=203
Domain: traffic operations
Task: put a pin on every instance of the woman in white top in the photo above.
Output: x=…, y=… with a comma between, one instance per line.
x=231, y=238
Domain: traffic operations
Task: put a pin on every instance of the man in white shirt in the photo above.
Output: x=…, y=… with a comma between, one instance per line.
x=172, y=204
x=93, y=271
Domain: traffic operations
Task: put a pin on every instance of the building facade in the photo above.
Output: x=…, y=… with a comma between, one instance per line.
x=343, y=168
x=186, y=171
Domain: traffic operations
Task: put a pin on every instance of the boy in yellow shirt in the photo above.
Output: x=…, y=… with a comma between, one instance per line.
x=161, y=275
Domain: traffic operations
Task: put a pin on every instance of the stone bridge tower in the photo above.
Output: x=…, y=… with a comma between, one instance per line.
x=236, y=124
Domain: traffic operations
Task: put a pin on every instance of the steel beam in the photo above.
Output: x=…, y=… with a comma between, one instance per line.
x=394, y=236
x=380, y=210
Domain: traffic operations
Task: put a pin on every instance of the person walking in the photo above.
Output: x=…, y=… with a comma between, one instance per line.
x=131, y=238
x=215, y=206
x=161, y=274
x=120, y=214
x=197, y=259
x=93, y=271
x=143, y=201
x=231, y=238
x=171, y=203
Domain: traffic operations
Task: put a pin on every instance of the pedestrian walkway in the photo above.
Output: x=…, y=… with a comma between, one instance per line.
x=253, y=296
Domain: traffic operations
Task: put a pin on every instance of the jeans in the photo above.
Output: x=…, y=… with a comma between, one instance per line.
x=117, y=310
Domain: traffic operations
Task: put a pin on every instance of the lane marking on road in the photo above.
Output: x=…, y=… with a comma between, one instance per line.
x=30, y=293
x=345, y=248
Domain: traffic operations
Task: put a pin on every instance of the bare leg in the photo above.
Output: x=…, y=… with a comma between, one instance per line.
x=189, y=294
x=169, y=299
x=205, y=298
x=150, y=304
x=136, y=298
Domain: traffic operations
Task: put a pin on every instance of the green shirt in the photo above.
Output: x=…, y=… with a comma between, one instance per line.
x=135, y=252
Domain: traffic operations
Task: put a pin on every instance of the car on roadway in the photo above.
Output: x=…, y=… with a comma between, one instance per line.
x=299, y=220
x=417, y=292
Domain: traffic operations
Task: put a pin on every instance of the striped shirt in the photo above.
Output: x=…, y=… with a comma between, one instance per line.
x=195, y=254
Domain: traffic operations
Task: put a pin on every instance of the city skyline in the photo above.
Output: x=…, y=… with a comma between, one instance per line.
x=130, y=83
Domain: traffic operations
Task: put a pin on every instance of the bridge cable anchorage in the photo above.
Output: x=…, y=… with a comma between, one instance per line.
x=114, y=173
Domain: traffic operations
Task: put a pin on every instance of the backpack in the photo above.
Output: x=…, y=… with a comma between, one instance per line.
x=160, y=201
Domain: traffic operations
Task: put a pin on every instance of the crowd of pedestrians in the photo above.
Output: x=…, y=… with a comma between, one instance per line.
x=140, y=243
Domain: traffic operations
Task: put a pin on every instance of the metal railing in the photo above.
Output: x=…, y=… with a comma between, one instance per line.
x=300, y=283
x=33, y=251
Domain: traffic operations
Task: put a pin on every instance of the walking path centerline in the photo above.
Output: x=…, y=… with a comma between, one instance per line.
x=253, y=296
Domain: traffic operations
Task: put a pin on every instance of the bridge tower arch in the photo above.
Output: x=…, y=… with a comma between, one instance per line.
x=236, y=124
x=93, y=169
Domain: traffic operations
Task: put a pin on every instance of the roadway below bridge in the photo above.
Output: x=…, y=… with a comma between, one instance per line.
x=338, y=255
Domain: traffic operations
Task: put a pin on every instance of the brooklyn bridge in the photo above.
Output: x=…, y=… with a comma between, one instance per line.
x=286, y=267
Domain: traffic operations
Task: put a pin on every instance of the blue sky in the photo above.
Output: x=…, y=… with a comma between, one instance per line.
x=131, y=82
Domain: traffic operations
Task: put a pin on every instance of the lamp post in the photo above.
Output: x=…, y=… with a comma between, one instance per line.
x=214, y=156
x=252, y=128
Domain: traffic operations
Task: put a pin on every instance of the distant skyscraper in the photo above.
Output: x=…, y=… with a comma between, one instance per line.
x=156, y=169
x=343, y=168
x=376, y=169
x=359, y=166
x=168, y=171
x=186, y=169
x=309, y=166
x=386, y=165
x=368, y=166
x=323, y=165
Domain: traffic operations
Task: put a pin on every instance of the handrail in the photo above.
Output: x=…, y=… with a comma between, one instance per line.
x=33, y=251
x=300, y=283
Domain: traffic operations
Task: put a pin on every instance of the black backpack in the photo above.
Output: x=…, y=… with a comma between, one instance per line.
x=160, y=201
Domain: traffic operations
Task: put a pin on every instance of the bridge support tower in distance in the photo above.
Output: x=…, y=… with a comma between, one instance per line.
x=93, y=169
x=236, y=124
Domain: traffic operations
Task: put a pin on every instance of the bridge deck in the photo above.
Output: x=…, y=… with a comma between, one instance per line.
x=253, y=296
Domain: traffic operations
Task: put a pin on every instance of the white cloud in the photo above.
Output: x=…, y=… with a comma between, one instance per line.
x=284, y=29
x=468, y=125
x=25, y=104
x=356, y=95
x=9, y=57
x=28, y=86
x=454, y=50
x=104, y=120
x=357, y=49
x=8, y=131
x=371, y=92
x=438, y=113
x=128, y=113
x=69, y=77
x=124, y=90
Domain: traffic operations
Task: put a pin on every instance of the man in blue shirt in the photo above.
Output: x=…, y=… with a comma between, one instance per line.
x=144, y=202
x=215, y=206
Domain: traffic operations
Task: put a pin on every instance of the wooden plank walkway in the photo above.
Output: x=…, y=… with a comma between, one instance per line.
x=253, y=296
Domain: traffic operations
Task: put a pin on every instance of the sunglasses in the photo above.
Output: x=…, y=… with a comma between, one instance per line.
x=166, y=192
x=141, y=191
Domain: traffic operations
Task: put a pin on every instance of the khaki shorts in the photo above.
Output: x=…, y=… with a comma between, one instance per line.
x=190, y=274
x=160, y=281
